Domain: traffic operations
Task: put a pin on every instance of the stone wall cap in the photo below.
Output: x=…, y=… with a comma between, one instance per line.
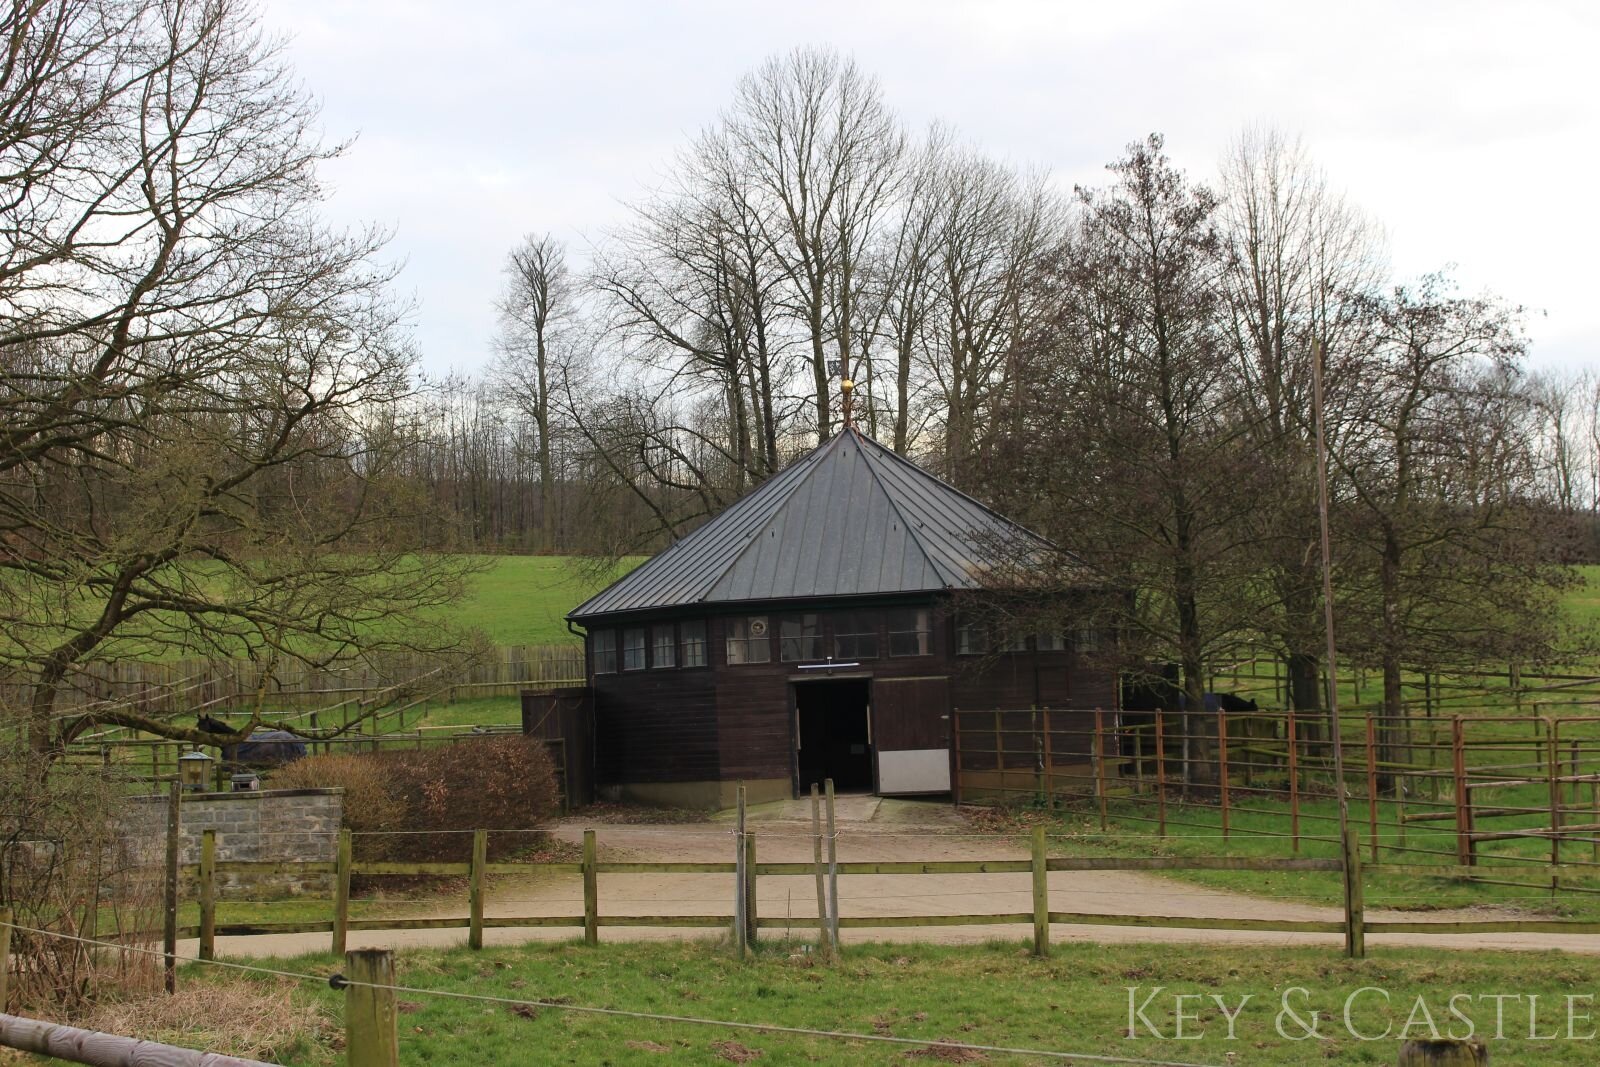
x=250, y=794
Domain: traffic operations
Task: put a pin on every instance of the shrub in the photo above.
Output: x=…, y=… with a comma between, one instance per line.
x=491, y=783
x=372, y=806
x=70, y=865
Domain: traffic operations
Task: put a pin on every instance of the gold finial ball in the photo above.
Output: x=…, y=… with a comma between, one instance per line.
x=847, y=385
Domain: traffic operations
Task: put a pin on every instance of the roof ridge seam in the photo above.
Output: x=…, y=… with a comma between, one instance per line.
x=782, y=502
x=911, y=531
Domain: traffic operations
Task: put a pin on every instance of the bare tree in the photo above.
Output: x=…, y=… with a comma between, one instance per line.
x=814, y=136
x=538, y=297
x=1448, y=565
x=1132, y=454
x=198, y=380
x=992, y=232
x=1299, y=263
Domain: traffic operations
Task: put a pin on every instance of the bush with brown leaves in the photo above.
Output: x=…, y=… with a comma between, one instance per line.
x=394, y=798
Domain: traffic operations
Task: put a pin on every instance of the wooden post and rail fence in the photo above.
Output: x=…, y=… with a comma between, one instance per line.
x=1423, y=790
x=745, y=924
x=368, y=975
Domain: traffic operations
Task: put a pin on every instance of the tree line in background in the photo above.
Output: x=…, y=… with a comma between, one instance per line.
x=213, y=438
x=1126, y=368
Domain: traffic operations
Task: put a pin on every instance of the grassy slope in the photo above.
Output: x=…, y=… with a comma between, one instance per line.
x=1076, y=1001
x=522, y=600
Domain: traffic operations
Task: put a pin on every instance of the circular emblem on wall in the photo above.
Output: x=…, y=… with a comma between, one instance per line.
x=758, y=627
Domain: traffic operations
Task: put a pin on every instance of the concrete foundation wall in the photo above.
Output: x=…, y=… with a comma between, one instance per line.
x=703, y=796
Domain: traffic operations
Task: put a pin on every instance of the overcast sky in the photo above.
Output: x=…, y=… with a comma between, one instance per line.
x=1469, y=130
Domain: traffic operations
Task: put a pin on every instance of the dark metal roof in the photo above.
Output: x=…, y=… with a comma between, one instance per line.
x=850, y=519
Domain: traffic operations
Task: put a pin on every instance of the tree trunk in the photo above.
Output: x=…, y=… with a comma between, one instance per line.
x=547, y=487
x=819, y=365
x=1305, y=694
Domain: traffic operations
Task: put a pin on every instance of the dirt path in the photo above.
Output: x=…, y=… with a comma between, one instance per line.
x=876, y=830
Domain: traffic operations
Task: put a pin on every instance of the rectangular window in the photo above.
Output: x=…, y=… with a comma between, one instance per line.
x=1049, y=641
x=604, y=645
x=693, y=643
x=633, y=648
x=662, y=646
x=799, y=638
x=1016, y=643
x=748, y=641
x=855, y=635
x=1087, y=639
x=910, y=632
x=971, y=639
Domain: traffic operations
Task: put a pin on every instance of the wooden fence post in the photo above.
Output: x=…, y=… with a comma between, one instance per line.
x=1100, y=767
x=480, y=858
x=823, y=929
x=1049, y=763
x=1161, y=779
x=1355, y=933
x=1294, y=785
x=1553, y=754
x=208, y=895
x=7, y=917
x=1041, y=894
x=169, y=929
x=1222, y=767
x=741, y=944
x=370, y=1016
x=750, y=917
x=341, y=892
x=1458, y=752
x=591, y=891
x=833, y=868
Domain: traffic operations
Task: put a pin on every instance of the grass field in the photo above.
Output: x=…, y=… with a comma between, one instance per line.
x=523, y=600
x=998, y=995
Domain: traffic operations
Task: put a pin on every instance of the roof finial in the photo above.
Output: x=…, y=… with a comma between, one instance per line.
x=847, y=386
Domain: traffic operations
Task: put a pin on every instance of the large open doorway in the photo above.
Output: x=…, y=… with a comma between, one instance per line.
x=833, y=738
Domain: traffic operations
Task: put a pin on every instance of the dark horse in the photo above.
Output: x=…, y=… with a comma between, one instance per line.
x=265, y=748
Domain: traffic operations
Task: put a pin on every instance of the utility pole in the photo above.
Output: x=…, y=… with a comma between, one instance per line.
x=1354, y=936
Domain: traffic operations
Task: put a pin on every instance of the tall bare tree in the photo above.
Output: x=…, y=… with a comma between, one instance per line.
x=201, y=450
x=813, y=134
x=1299, y=263
x=537, y=299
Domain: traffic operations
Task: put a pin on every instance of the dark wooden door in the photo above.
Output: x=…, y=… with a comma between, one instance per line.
x=911, y=734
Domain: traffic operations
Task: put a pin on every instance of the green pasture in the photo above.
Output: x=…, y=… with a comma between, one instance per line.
x=523, y=600
x=1074, y=1001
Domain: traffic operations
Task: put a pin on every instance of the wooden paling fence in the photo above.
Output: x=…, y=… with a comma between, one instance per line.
x=167, y=687
x=1469, y=791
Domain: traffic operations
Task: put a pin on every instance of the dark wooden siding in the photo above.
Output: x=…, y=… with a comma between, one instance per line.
x=655, y=726
x=725, y=722
x=910, y=713
x=564, y=716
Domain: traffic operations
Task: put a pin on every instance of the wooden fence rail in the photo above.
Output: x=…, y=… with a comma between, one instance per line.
x=73, y=1045
x=590, y=921
x=1466, y=782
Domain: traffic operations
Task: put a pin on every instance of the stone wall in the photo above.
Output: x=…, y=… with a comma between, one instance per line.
x=281, y=825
